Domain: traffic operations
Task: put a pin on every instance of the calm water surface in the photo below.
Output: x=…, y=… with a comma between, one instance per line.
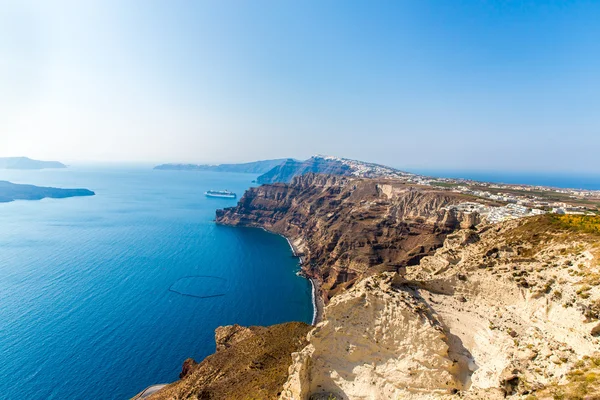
x=587, y=181
x=85, y=305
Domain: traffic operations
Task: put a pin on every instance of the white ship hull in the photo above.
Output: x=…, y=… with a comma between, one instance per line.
x=221, y=195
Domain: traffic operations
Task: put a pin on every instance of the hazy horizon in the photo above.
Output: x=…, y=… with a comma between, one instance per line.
x=496, y=86
x=515, y=176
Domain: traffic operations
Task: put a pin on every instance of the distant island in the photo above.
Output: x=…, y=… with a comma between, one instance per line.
x=285, y=169
x=329, y=165
x=28, y=163
x=408, y=273
x=256, y=167
x=12, y=191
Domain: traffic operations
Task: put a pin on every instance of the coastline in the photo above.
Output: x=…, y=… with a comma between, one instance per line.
x=317, y=300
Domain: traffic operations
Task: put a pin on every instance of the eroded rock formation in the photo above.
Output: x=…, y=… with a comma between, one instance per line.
x=506, y=311
x=289, y=169
x=345, y=228
x=424, y=302
x=250, y=363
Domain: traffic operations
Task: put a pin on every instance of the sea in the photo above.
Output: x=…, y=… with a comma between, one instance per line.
x=565, y=180
x=103, y=296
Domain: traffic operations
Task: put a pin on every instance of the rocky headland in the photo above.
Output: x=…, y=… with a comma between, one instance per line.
x=291, y=168
x=345, y=228
x=327, y=165
x=250, y=363
x=422, y=300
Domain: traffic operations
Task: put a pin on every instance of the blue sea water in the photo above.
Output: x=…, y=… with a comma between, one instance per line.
x=85, y=306
x=587, y=181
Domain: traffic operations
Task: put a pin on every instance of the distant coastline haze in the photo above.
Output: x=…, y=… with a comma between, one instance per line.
x=462, y=85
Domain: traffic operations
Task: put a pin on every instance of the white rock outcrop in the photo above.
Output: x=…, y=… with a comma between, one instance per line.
x=377, y=342
x=494, y=314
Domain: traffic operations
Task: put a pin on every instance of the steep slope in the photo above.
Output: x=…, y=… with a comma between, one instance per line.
x=344, y=228
x=256, y=167
x=292, y=168
x=426, y=301
x=378, y=341
x=250, y=363
x=511, y=310
x=329, y=166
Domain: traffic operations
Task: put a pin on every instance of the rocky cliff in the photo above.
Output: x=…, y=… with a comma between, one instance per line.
x=424, y=302
x=329, y=165
x=345, y=228
x=510, y=310
x=288, y=170
x=250, y=363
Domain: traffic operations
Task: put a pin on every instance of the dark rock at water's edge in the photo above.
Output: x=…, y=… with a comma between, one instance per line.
x=350, y=227
x=28, y=163
x=12, y=191
x=344, y=228
x=188, y=366
x=256, y=167
x=250, y=363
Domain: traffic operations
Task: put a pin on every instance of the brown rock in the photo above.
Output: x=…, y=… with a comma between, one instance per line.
x=247, y=366
x=226, y=336
x=188, y=366
x=596, y=330
x=352, y=227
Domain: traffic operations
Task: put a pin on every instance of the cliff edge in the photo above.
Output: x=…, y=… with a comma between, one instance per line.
x=345, y=228
x=510, y=310
x=423, y=301
x=250, y=363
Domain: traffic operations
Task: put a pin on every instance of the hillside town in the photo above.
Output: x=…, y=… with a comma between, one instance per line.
x=518, y=200
x=513, y=201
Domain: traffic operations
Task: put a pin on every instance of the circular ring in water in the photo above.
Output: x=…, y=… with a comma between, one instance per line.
x=197, y=296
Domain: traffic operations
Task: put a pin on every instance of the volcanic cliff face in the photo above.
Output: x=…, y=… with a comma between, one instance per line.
x=250, y=363
x=424, y=302
x=286, y=171
x=329, y=165
x=345, y=228
x=509, y=311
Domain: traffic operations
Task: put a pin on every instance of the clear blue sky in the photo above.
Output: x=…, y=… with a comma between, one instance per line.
x=497, y=85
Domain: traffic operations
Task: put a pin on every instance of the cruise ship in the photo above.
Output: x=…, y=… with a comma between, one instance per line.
x=225, y=194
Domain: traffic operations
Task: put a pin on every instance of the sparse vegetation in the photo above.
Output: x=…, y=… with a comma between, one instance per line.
x=583, y=382
x=577, y=223
x=444, y=184
x=556, y=295
x=584, y=288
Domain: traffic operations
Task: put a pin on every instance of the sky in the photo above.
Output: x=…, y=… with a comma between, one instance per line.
x=479, y=85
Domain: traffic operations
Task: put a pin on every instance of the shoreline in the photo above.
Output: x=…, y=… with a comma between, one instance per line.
x=317, y=300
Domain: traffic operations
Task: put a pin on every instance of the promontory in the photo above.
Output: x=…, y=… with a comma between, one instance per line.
x=429, y=293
